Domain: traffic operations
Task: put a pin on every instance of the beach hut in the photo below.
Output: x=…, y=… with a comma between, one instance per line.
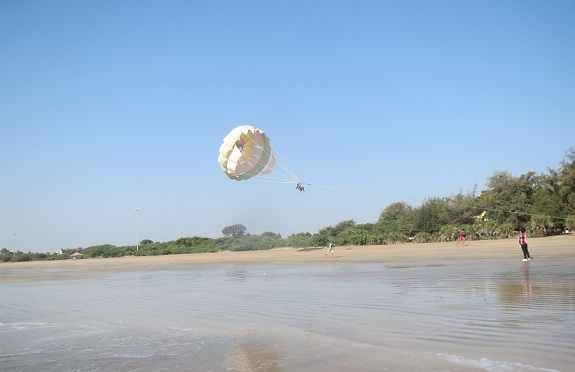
x=76, y=255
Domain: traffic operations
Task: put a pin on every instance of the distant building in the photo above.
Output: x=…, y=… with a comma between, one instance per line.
x=76, y=255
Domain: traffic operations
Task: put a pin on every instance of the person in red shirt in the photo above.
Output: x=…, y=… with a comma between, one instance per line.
x=523, y=244
x=462, y=238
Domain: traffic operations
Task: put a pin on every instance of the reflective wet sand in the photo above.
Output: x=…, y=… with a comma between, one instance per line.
x=454, y=310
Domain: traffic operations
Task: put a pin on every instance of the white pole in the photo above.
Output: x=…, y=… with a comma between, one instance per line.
x=137, y=229
x=14, y=251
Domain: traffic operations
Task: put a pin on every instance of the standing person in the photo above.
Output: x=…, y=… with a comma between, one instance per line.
x=523, y=244
x=330, y=250
x=462, y=237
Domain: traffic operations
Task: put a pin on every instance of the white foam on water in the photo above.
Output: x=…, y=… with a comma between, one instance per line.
x=20, y=326
x=492, y=365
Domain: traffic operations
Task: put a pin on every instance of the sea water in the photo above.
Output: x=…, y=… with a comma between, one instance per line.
x=490, y=315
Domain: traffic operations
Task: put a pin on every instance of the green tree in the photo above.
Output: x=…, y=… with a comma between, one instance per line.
x=547, y=202
x=460, y=209
x=431, y=215
x=509, y=198
x=566, y=179
x=235, y=231
x=300, y=240
x=393, y=219
x=272, y=235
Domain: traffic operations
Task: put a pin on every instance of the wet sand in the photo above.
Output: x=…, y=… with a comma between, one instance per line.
x=408, y=307
x=540, y=248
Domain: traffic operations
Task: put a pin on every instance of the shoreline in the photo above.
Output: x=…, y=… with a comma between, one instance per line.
x=555, y=247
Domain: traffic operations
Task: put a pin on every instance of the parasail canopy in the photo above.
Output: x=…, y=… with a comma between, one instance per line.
x=245, y=153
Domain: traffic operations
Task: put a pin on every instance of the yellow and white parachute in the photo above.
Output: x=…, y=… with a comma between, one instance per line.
x=247, y=152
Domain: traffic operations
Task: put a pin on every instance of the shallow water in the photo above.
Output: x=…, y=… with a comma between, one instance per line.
x=489, y=315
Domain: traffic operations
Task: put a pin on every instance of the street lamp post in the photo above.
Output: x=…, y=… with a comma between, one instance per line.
x=14, y=251
x=137, y=229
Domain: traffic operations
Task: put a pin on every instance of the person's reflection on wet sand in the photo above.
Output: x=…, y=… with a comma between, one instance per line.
x=526, y=277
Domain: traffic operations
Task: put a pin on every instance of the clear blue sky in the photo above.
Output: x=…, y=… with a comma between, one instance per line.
x=110, y=105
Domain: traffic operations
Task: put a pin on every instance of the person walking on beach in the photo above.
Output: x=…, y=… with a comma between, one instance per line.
x=523, y=244
x=329, y=249
x=462, y=237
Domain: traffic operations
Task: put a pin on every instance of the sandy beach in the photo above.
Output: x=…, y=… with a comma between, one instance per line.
x=556, y=247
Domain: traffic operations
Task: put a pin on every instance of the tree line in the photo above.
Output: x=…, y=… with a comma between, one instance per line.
x=543, y=204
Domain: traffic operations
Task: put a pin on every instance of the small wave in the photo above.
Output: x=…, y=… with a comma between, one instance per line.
x=20, y=326
x=492, y=365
